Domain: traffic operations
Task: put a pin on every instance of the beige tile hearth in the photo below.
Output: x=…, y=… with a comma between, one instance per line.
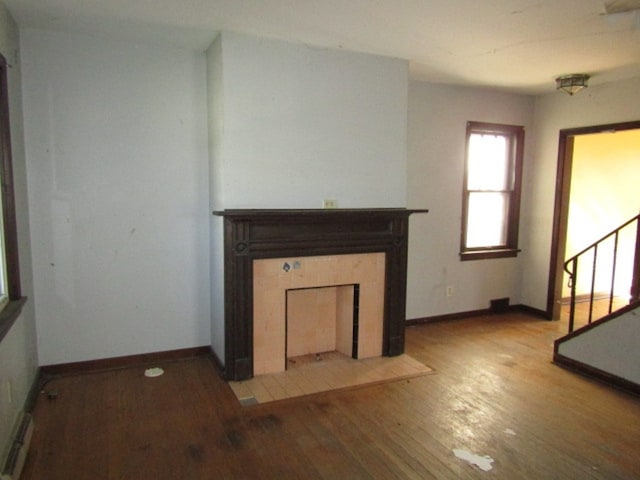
x=309, y=374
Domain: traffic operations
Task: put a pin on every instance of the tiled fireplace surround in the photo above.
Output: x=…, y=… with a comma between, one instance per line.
x=305, y=305
x=277, y=260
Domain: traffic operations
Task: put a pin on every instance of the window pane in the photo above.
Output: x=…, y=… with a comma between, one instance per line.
x=488, y=162
x=486, y=219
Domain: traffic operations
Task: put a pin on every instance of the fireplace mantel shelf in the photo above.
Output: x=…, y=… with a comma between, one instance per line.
x=252, y=234
x=240, y=212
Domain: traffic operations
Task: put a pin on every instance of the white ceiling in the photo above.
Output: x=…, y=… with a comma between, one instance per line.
x=519, y=45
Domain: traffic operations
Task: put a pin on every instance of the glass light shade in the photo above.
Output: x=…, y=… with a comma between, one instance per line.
x=572, y=83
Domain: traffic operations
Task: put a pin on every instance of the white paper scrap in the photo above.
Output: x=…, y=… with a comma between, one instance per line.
x=153, y=372
x=483, y=463
x=508, y=431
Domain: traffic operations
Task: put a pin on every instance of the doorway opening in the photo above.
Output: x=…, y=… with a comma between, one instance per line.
x=595, y=193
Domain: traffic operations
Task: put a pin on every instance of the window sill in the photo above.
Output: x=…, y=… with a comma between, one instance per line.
x=489, y=253
x=8, y=315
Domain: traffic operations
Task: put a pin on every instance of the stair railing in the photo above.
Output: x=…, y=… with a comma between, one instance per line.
x=571, y=267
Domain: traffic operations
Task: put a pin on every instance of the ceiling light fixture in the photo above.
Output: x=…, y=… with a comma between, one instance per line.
x=572, y=83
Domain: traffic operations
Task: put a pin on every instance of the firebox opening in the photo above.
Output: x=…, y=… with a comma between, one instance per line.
x=320, y=320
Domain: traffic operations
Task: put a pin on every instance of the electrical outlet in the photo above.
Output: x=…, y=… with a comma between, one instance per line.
x=330, y=203
x=450, y=291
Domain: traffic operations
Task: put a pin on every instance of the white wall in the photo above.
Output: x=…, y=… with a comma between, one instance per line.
x=597, y=105
x=291, y=125
x=611, y=347
x=215, y=96
x=118, y=190
x=303, y=124
x=438, y=115
x=18, y=354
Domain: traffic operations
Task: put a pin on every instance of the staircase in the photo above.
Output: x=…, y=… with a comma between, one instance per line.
x=605, y=299
x=602, y=270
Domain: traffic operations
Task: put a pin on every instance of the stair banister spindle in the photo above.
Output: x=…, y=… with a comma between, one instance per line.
x=593, y=281
x=572, y=283
x=613, y=270
x=635, y=283
x=571, y=267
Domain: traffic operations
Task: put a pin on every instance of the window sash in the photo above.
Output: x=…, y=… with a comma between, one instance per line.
x=487, y=219
x=489, y=162
x=491, y=190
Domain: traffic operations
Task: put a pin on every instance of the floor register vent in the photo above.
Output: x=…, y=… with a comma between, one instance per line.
x=18, y=454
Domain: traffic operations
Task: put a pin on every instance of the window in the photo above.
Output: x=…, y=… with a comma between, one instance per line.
x=11, y=300
x=491, y=193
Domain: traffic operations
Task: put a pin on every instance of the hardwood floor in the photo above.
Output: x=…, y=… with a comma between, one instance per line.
x=495, y=392
x=599, y=309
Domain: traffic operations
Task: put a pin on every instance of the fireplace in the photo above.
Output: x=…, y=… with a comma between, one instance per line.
x=271, y=252
x=315, y=304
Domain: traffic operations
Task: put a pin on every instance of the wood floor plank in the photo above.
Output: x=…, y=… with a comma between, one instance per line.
x=494, y=392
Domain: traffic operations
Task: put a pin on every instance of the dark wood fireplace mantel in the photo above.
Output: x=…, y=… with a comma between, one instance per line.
x=254, y=234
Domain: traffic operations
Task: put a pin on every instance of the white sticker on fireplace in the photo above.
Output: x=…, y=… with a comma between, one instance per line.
x=321, y=307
